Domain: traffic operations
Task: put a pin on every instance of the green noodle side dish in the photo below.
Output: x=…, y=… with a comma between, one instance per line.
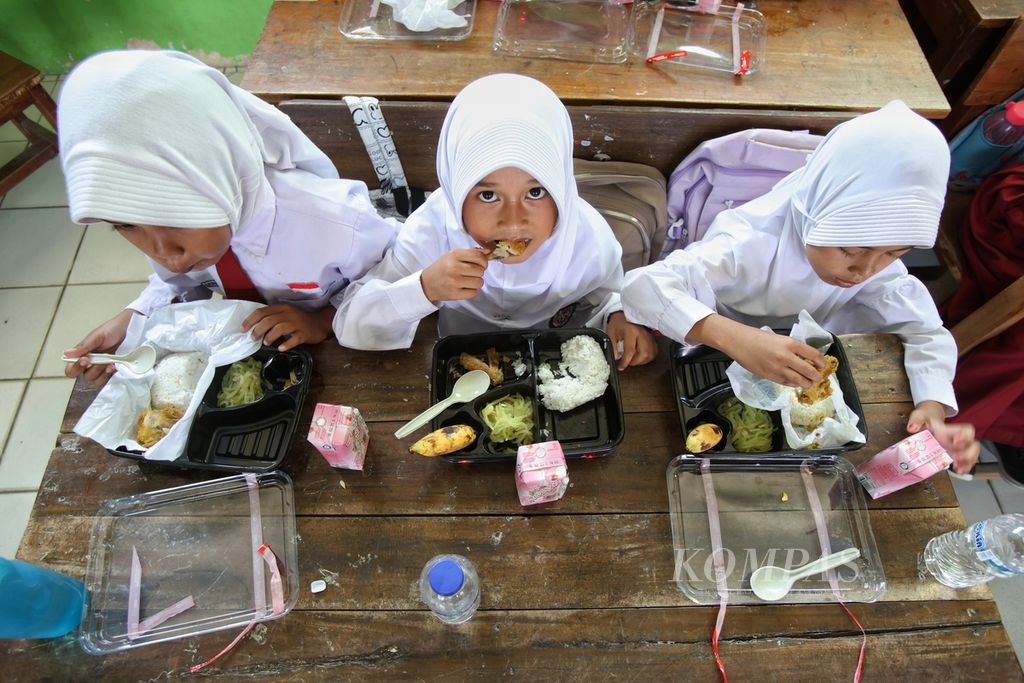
x=242, y=384
x=751, y=427
x=510, y=420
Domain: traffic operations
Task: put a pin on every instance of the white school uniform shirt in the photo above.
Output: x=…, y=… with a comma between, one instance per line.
x=573, y=279
x=877, y=180
x=303, y=248
x=383, y=309
x=159, y=138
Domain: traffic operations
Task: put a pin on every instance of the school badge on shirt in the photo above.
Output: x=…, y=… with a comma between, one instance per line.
x=563, y=315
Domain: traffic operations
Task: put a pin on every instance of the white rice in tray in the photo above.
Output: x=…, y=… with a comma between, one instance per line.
x=176, y=377
x=809, y=417
x=582, y=375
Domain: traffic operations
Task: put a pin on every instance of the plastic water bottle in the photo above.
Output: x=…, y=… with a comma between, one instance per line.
x=450, y=588
x=979, y=553
x=37, y=602
x=979, y=150
x=1006, y=127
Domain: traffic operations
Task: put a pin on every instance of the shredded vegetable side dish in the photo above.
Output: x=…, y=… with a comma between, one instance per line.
x=751, y=427
x=241, y=385
x=510, y=419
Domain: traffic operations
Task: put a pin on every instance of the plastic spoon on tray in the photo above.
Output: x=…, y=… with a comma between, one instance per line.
x=773, y=583
x=471, y=385
x=138, y=361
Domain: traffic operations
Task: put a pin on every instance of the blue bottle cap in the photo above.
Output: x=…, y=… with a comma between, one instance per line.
x=446, y=577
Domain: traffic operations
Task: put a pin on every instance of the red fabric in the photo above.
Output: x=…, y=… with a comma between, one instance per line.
x=237, y=284
x=990, y=378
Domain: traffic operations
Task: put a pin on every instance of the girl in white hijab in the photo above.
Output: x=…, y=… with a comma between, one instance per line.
x=504, y=163
x=220, y=190
x=826, y=239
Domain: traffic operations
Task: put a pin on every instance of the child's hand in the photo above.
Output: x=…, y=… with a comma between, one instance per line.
x=279, y=322
x=776, y=357
x=459, y=274
x=633, y=344
x=957, y=439
x=104, y=339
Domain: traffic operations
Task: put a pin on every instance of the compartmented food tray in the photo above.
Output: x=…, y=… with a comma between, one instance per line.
x=191, y=541
x=374, y=20
x=766, y=516
x=248, y=438
x=700, y=386
x=593, y=429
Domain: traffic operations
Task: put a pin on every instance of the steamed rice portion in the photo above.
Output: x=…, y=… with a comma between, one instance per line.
x=176, y=377
x=582, y=375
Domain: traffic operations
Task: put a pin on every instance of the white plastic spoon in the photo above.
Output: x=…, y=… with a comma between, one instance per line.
x=138, y=360
x=474, y=383
x=772, y=583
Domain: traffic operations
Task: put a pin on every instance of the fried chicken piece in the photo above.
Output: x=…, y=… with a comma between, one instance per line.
x=504, y=249
x=821, y=389
x=153, y=425
x=471, y=362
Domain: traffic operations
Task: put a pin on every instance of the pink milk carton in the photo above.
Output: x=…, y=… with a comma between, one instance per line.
x=541, y=476
x=908, y=462
x=340, y=434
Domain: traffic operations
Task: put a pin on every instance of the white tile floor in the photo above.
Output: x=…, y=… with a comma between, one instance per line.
x=56, y=283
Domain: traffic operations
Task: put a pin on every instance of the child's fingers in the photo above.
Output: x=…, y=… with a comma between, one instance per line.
x=254, y=318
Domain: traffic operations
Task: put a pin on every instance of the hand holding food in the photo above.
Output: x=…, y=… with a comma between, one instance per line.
x=104, y=339
x=458, y=274
x=777, y=357
x=289, y=325
x=703, y=437
x=444, y=441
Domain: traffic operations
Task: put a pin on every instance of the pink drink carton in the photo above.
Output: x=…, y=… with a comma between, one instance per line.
x=340, y=434
x=541, y=476
x=901, y=465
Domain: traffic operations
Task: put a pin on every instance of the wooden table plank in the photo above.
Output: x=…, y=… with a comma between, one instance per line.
x=571, y=645
x=593, y=561
x=823, y=55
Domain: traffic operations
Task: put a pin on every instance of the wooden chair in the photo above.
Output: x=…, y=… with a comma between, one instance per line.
x=20, y=88
x=994, y=316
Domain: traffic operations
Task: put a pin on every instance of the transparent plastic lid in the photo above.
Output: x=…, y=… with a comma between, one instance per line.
x=574, y=30
x=730, y=39
x=191, y=541
x=375, y=20
x=766, y=516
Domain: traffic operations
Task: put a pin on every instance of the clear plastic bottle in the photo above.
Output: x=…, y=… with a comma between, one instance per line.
x=450, y=588
x=37, y=602
x=977, y=554
x=1006, y=127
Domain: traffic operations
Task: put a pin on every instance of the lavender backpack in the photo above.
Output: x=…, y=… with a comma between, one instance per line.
x=726, y=172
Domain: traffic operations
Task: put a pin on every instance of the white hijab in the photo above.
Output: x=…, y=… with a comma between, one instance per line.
x=159, y=138
x=507, y=120
x=875, y=180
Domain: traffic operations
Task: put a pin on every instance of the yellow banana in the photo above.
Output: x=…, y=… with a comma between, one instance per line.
x=445, y=440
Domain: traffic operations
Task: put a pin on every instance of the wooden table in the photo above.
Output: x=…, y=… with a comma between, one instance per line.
x=827, y=61
x=577, y=591
x=975, y=48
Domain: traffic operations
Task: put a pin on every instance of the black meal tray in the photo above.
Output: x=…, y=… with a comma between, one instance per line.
x=700, y=385
x=249, y=438
x=594, y=429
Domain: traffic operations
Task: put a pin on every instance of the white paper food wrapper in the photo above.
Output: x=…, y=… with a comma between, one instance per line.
x=768, y=395
x=208, y=326
x=426, y=15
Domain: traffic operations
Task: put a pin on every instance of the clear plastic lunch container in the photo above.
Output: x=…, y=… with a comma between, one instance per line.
x=374, y=20
x=766, y=516
x=573, y=30
x=195, y=540
x=731, y=39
